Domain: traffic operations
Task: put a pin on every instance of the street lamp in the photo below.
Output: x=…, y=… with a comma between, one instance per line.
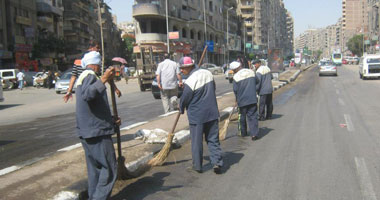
x=205, y=25
x=167, y=27
x=228, y=52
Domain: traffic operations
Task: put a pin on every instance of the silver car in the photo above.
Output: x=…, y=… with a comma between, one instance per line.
x=212, y=68
x=62, y=84
x=328, y=68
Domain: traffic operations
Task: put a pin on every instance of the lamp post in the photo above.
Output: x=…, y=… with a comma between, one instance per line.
x=167, y=27
x=228, y=52
x=204, y=20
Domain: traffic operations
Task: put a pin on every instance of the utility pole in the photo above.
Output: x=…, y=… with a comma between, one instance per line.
x=101, y=34
x=167, y=27
x=204, y=19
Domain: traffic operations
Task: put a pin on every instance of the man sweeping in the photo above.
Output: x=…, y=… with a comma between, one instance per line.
x=199, y=99
x=95, y=126
x=244, y=87
x=264, y=89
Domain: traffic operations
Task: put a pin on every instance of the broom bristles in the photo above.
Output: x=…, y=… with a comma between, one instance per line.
x=223, y=131
x=122, y=172
x=160, y=158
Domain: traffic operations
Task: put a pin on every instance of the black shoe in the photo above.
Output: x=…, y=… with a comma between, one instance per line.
x=261, y=119
x=217, y=169
x=269, y=117
x=254, y=138
x=191, y=169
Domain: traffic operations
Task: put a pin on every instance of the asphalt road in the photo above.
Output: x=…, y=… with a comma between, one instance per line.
x=36, y=123
x=323, y=143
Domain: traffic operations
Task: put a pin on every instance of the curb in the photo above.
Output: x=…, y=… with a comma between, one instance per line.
x=294, y=77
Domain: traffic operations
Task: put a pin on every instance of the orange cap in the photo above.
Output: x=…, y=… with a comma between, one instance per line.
x=78, y=62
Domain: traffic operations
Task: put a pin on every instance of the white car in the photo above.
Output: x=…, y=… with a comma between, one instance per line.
x=328, y=68
x=212, y=68
x=369, y=66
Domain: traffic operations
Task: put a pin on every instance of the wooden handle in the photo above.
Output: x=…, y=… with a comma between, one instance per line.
x=115, y=117
x=203, y=55
x=176, y=121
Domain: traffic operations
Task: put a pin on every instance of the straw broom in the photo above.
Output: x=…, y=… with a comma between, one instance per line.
x=223, y=131
x=160, y=158
x=122, y=172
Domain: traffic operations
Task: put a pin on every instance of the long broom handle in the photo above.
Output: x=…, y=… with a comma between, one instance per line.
x=115, y=116
x=203, y=56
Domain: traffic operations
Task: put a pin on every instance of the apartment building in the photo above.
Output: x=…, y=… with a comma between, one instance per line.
x=354, y=18
x=5, y=54
x=289, y=40
x=21, y=26
x=373, y=26
x=196, y=22
x=127, y=28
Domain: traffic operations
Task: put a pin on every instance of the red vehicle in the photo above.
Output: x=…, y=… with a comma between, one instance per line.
x=344, y=62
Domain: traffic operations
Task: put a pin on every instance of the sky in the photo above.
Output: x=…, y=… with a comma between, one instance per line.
x=306, y=13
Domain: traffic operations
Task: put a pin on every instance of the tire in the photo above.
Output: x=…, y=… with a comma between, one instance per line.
x=11, y=85
x=142, y=88
x=230, y=80
x=157, y=96
x=58, y=92
x=360, y=76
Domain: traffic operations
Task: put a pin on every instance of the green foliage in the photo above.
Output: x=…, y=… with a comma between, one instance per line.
x=355, y=45
x=129, y=42
x=48, y=44
x=251, y=56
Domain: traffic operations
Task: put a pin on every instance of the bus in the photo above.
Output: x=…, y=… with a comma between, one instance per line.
x=336, y=58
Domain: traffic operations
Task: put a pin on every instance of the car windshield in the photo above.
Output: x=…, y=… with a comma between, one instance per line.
x=373, y=60
x=66, y=75
x=326, y=63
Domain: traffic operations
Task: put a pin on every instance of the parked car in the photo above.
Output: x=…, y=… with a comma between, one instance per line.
x=344, y=62
x=328, y=68
x=9, y=77
x=62, y=84
x=212, y=68
x=1, y=90
x=286, y=63
x=156, y=91
x=369, y=66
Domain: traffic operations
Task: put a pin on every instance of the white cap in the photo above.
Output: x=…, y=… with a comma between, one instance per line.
x=235, y=65
x=91, y=58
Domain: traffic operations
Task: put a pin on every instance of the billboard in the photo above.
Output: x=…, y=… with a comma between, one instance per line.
x=275, y=60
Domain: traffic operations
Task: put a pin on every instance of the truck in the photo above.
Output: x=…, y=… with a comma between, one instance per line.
x=146, y=66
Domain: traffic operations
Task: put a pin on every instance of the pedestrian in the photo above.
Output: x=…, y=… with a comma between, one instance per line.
x=95, y=127
x=126, y=73
x=264, y=89
x=167, y=75
x=50, y=79
x=20, y=78
x=199, y=99
x=79, y=67
x=244, y=87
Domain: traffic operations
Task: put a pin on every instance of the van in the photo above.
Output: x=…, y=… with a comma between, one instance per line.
x=369, y=66
x=9, y=78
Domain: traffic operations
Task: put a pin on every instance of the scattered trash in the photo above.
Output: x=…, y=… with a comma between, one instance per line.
x=66, y=195
x=343, y=125
x=158, y=136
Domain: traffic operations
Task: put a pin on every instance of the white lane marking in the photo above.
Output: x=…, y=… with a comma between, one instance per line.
x=337, y=92
x=134, y=125
x=365, y=180
x=350, y=125
x=228, y=93
x=218, y=97
x=169, y=113
x=341, y=102
x=70, y=147
x=9, y=169
x=228, y=109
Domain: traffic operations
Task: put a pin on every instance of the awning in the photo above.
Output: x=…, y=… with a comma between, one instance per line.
x=47, y=8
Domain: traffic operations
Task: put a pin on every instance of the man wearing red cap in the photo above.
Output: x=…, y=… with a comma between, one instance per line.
x=199, y=99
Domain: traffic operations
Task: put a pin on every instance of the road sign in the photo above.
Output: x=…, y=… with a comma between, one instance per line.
x=210, y=46
x=174, y=35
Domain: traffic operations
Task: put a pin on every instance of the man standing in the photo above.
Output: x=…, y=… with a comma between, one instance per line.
x=167, y=75
x=265, y=90
x=199, y=99
x=95, y=126
x=244, y=86
x=20, y=78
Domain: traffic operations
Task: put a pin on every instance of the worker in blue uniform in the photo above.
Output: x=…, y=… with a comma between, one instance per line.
x=199, y=99
x=244, y=87
x=265, y=90
x=95, y=126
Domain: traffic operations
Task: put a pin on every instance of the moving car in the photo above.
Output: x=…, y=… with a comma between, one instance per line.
x=62, y=84
x=212, y=68
x=156, y=91
x=9, y=78
x=369, y=66
x=328, y=68
x=229, y=75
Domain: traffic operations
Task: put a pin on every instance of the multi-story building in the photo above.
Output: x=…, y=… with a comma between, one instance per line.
x=5, y=54
x=373, y=25
x=80, y=26
x=21, y=26
x=127, y=28
x=289, y=41
x=354, y=18
x=196, y=22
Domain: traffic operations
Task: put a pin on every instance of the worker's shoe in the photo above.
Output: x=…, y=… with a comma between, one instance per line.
x=192, y=170
x=254, y=138
x=217, y=169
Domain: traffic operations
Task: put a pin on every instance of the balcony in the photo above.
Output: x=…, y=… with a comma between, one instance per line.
x=247, y=15
x=146, y=9
x=45, y=19
x=23, y=20
x=247, y=6
x=47, y=8
x=143, y=37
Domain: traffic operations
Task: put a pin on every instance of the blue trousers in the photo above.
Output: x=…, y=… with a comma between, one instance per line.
x=20, y=84
x=101, y=166
x=265, y=103
x=211, y=131
x=248, y=113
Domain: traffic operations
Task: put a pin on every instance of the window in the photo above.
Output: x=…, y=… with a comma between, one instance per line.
x=184, y=33
x=191, y=34
x=210, y=6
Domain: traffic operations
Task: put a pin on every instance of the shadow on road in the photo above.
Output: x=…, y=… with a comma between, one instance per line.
x=2, y=107
x=229, y=159
x=5, y=142
x=145, y=186
x=276, y=116
x=264, y=131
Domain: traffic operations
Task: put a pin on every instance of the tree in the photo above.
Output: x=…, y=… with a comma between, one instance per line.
x=48, y=44
x=129, y=41
x=355, y=45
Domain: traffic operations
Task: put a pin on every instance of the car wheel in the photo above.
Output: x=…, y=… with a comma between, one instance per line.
x=230, y=80
x=360, y=76
x=58, y=92
x=11, y=85
x=142, y=88
x=157, y=96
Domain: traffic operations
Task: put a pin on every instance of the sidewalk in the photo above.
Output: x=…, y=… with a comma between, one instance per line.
x=63, y=175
